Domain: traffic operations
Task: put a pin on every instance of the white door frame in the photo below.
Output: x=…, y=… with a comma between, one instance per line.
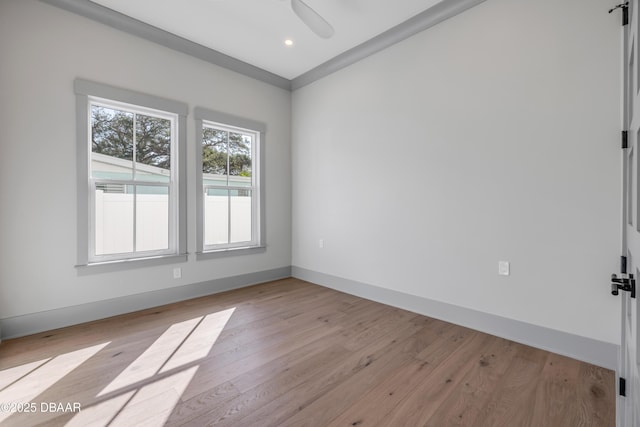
x=628, y=407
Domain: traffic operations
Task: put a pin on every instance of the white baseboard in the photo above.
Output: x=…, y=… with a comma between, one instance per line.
x=27, y=324
x=589, y=350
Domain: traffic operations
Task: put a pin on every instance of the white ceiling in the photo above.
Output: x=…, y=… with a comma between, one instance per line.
x=254, y=31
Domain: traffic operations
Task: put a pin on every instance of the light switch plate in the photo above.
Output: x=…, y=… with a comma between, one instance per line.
x=503, y=268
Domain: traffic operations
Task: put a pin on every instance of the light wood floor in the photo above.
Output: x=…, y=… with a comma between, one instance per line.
x=289, y=353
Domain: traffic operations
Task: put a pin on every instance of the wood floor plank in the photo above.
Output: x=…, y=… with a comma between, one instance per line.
x=317, y=402
x=595, y=394
x=556, y=395
x=476, y=387
x=403, y=347
x=288, y=353
x=512, y=403
x=358, y=363
x=268, y=331
x=434, y=348
x=257, y=387
x=419, y=406
x=216, y=372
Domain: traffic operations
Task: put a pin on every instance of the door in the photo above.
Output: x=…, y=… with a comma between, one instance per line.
x=628, y=406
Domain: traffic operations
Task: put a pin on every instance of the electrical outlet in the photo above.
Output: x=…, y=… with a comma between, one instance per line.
x=177, y=273
x=503, y=268
x=321, y=243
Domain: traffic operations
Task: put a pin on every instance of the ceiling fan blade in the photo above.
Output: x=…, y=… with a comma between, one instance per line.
x=310, y=17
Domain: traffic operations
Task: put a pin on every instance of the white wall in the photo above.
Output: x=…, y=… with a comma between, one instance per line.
x=43, y=49
x=498, y=129
x=496, y=134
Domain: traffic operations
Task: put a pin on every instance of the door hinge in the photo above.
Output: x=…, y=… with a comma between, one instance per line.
x=623, y=264
x=625, y=12
x=625, y=139
x=622, y=387
x=626, y=282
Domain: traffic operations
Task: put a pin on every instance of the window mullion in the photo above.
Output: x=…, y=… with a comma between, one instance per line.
x=228, y=143
x=135, y=219
x=92, y=218
x=131, y=182
x=173, y=189
x=228, y=191
x=135, y=188
x=134, y=149
x=228, y=216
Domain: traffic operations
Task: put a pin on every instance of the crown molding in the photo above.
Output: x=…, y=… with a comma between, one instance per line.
x=125, y=23
x=424, y=20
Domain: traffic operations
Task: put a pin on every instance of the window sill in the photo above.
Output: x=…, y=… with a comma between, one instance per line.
x=125, y=264
x=221, y=253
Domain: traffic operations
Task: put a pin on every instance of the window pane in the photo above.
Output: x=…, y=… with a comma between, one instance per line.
x=214, y=156
x=239, y=159
x=216, y=217
x=153, y=148
x=111, y=143
x=113, y=220
x=229, y=185
x=240, y=215
x=152, y=218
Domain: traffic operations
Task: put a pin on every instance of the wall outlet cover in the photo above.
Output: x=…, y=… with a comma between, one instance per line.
x=503, y=268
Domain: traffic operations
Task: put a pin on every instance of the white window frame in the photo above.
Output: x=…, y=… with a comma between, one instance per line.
x=135, y=182
x=89, y=94
x=257, y=130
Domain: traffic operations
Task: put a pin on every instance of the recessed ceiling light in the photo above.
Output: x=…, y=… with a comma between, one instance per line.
x=288, y=42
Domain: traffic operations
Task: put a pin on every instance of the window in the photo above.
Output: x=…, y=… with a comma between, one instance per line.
x=130, y=175
x=230, y=199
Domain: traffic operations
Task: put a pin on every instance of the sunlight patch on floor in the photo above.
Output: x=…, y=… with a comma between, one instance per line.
x=199, y=343
x=11, y=375
x=149, y=363
x=160, y=375
x=101, y=413
x=154, y=403
x=182, y=343
x=27, y=388
x=149, y=406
